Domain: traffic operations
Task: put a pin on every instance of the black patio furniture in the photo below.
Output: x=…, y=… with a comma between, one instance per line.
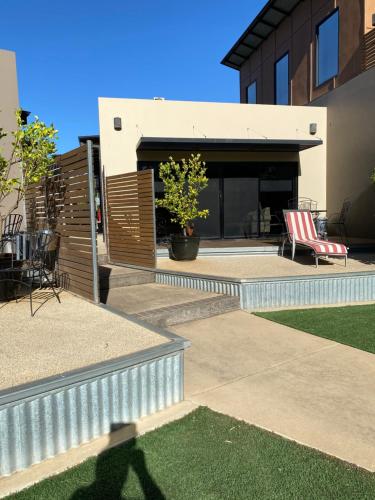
x=11, y=227
x=339, y=220
x=38, y=269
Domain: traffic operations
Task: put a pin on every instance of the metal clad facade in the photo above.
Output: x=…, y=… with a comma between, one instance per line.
x=42, y=426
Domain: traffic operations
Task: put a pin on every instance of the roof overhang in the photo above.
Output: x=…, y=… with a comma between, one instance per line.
x=249, y=145
x=269, y=18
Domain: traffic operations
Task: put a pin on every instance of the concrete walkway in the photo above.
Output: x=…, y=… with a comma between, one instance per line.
x=306, y=388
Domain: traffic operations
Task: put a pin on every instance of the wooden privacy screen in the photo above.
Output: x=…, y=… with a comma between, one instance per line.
x=368, y=51
x=62, y=203
x=130, y=213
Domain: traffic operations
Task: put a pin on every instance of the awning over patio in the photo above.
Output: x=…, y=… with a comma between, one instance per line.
x=205, y=144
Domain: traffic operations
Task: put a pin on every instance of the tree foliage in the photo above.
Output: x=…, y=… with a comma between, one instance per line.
x=183, y=182
x=32, y=154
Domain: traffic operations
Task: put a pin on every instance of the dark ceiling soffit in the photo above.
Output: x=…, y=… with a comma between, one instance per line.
x=255, y=145
x=258, y=21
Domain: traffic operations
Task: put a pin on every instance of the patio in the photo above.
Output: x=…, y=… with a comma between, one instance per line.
x=269, y=266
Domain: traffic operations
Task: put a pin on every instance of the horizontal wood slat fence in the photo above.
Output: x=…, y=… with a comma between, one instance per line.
x=131, y=221
x=61, y=203
x=368, y=51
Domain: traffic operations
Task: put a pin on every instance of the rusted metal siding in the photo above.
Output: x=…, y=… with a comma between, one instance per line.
x=297, y=35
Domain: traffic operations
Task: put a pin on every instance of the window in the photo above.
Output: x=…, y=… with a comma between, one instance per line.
x=252, y=93
x=327, y=48
x=282, y=80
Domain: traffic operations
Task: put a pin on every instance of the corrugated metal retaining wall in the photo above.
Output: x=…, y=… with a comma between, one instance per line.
x=53, y=421
x=307, y=290
x=266, y=293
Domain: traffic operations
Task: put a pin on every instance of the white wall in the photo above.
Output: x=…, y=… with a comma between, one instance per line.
x=9, y=103
x=351, y=151
x=185, y=119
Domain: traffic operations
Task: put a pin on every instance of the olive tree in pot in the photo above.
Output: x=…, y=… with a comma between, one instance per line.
x=183, y=182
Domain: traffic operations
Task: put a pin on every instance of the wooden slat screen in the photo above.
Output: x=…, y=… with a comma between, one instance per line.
x=368, y=51
x=130, y=218
x=62, y=203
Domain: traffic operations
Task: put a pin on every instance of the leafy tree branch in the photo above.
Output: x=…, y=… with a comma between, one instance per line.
x=31, y=158
x=183, y=182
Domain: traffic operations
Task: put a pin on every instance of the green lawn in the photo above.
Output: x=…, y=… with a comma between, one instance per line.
x=204, y=456
x=351, y=325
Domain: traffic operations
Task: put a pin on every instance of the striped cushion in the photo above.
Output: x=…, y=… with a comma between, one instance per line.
x=300, y=224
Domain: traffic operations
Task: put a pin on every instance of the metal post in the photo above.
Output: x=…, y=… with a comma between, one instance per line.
x=90, y=165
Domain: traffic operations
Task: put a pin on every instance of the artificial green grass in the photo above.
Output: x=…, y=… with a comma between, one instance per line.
x=206, y=455
x=350, y=325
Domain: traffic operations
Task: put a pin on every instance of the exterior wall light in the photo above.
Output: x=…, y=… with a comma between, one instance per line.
x=313, y=128
x=117, y=123
x=373, y=20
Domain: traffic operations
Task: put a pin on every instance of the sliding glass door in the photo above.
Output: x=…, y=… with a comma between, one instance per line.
x=245, y=200
x=240, y=207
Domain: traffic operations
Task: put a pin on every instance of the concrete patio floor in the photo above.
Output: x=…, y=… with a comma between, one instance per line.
x=306, y=388
x=259, y=266
x=62, y=337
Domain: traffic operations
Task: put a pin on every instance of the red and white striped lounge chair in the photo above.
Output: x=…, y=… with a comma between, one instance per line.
x=301, y=232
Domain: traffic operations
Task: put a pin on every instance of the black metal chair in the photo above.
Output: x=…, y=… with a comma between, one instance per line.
x=339, y=220
x=39, y=269
x=12, y=226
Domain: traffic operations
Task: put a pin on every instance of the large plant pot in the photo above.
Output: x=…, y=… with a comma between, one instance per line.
x=9, y=289
x=184, y=247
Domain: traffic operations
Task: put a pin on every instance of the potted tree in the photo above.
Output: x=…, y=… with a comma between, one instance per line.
x=183, y=182
x=30, y=159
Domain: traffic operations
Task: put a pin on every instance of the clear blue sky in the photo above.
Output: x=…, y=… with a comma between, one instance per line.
x=71, y=52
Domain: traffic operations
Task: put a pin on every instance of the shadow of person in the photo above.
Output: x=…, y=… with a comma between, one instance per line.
x=112, y=469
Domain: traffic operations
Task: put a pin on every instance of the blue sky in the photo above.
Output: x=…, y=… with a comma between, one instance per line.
x=71, y=52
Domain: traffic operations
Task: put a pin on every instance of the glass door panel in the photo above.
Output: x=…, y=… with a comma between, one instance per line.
x=274, y=195
x=210, y=198
x=240, y=207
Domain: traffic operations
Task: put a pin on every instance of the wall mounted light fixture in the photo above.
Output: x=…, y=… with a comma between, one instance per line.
x=313, y=128
x=117, y=123
x=373, y=20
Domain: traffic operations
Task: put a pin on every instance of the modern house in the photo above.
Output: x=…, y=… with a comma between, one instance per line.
x=304, y=127
x=258, y=157
x=320, y=53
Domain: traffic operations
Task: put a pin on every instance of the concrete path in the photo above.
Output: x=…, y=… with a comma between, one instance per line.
x=306, y=388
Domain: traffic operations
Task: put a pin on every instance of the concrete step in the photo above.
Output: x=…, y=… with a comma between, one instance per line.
x=163, y=305
x=117, y=276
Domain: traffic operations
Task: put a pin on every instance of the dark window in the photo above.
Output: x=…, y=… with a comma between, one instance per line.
x=282, y=80
x=252, y=93
x=327, y=48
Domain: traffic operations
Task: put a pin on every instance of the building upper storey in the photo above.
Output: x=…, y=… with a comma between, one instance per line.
x=295, y=51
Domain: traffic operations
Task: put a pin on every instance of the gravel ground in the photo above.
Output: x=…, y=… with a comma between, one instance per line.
x=62, y=337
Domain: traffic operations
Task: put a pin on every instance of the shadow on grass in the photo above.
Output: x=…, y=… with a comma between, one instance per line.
x=112, y=470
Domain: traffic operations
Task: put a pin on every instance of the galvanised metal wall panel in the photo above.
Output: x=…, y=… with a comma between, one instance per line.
x=263, y=293
x=205, y=284
x=321, y=290
x=47, y=424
